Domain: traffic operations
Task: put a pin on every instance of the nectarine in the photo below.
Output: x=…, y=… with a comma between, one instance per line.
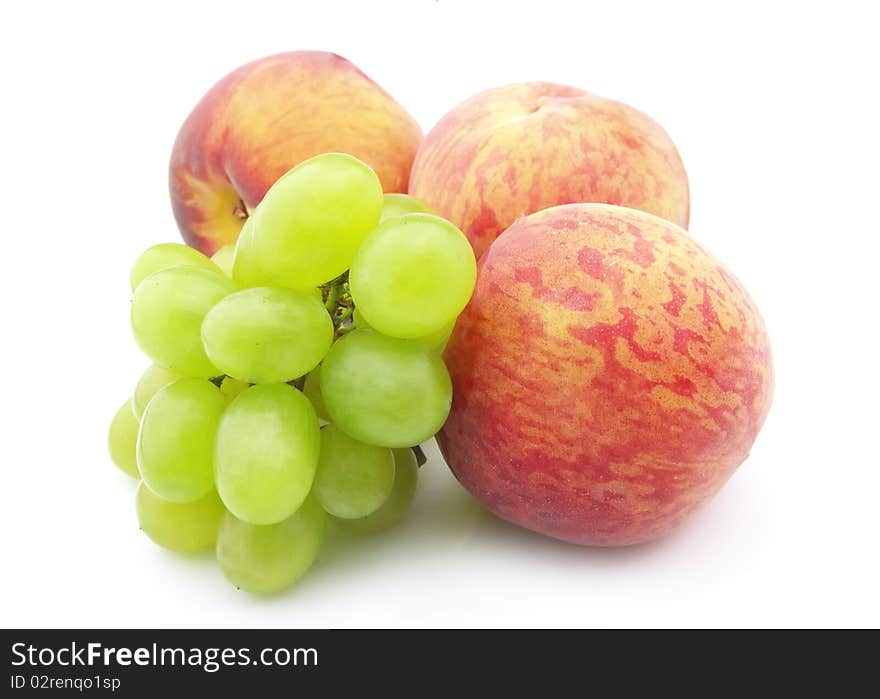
x=609, y=376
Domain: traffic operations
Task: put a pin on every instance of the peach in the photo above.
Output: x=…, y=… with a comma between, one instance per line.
x=609, y=376
x=266, y=117
x=517, y=149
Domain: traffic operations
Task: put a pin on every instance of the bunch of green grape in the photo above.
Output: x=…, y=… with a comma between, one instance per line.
x=294, y=374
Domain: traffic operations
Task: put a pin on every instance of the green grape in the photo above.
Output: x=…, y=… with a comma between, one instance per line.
x=358, y=319
x=266, y=453
x=266, y=559
x=406, y=475
x=385, y=391
x=167, y=313
x=231, y=387
x=122, y=440
x=245, y=270
x=312, y=391
x=353, y=478
x=413, y=275
x=186, y=527
x=311, y=221
x=154, y=378
x=267, y=335
x=396, y=205
x=176, y=441
x=167, y=255
x=223, y=259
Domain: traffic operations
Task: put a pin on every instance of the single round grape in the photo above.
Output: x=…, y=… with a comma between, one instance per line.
x=267, y=335
x=154, y=378
x=122, y=440
x=223, y=259
x=245, y=270
x=266, y=559
x=413, y=275
x=166, y=255
x=311, y=221
x=167, y=313
x=266, y=453
x=385, y=391
x=186, y=527
x=312, y=391
x=397, y=205
x=176, y=440
x=353, y=479
x=230, y=387
x=406, y=475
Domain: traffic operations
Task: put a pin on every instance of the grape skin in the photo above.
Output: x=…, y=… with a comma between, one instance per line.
x=188, y=527
x=153, y=379
x=267, y=559
x=165, y=255
x=413, y=275
x=167, y=313
x=312, y=220
x=266, y=453
x=385, y=391
x=406, y=474
x=245, y=270
x=397, y=205
x=232, y=387
x=267, y=335
x=122, y=440
x=223, y=259
x=353, y=479
x=176, y=439
x=312, y=391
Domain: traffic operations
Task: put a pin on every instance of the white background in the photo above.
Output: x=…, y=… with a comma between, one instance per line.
x=774, y=109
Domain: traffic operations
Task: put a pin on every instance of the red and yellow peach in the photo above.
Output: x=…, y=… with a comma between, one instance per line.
x=609, y=376
x=517, y=149
x=269, y=115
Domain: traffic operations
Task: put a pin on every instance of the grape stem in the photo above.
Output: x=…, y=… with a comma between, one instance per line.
x=339, y=304
x=421, y=459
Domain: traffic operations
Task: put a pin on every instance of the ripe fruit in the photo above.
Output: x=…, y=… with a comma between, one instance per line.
x=312, y=220
x=517, y=149
x=266, y=559
x=406, y=474
x=231, y=411
x=176, y=439
x=413, y=275
x=268, y=116
x=185, y=527
x=385, y=391
x=122, y=440
x=610, y=375
x=267, y=335
x=167, y=313
x=353, y=479
x=154, y=378
x=266, y=453
x=165, y=255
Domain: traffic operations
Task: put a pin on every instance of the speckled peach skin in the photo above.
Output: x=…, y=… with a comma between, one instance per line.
x=266, y=117
x=514, y=150
x=609, y=376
